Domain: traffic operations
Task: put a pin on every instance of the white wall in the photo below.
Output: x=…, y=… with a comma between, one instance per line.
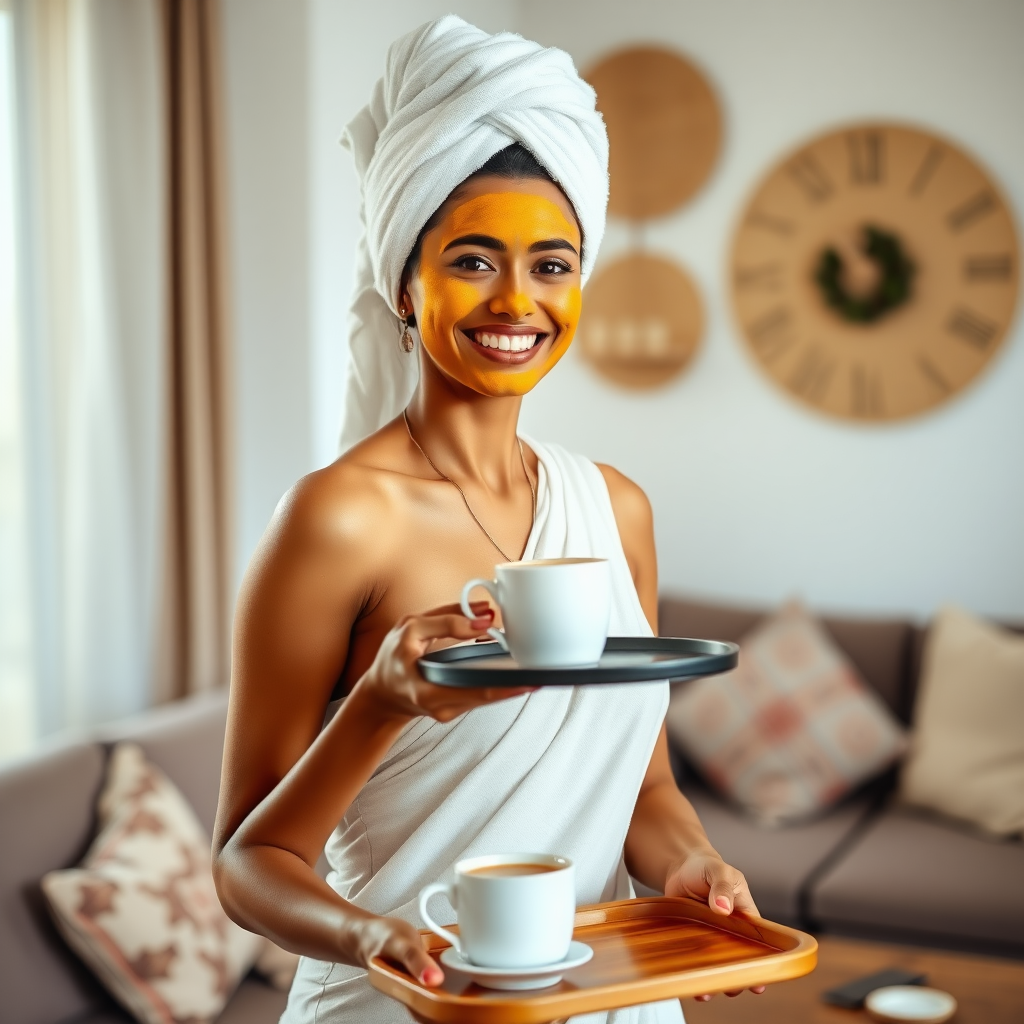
x=265, y=50
x=755, y=498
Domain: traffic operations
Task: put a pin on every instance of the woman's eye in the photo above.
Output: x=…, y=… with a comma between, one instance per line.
x=472, y=263
x=553, y=267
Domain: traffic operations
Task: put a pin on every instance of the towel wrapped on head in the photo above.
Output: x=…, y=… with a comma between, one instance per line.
x=453, y=96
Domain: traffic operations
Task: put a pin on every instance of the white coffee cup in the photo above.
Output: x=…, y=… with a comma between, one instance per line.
x=514, y=910
x=555, y=611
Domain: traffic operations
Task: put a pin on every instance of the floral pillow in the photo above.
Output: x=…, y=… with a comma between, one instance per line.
x=791, y=729
x=141, y=910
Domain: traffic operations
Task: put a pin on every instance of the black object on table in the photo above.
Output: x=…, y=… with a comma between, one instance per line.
x=851, y=996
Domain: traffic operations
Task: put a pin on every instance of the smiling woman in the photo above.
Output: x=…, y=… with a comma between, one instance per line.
x=484, y=202
x=497, y=284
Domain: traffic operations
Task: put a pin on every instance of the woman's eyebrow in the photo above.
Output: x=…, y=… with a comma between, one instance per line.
x=553, y=243
x=484, y=241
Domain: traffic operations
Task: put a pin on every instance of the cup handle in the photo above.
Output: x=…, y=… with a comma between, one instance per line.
x=425, y=894
x=491, y=589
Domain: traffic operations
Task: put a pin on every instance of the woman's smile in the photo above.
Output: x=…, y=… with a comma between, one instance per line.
x=497, y=292
x=506, y=343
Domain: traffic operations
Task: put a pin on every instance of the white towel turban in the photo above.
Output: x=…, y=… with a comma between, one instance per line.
x=451, y=97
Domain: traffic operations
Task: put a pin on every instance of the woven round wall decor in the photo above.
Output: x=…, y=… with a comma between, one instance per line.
x=664, y=129
x=642, y=321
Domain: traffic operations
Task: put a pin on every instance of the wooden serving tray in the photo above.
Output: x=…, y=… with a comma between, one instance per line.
x=645, y=950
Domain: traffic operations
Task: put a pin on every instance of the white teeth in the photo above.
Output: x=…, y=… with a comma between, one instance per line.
x=506, y=342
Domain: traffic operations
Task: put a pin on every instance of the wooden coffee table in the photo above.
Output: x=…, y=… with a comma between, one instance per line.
x=988, y=990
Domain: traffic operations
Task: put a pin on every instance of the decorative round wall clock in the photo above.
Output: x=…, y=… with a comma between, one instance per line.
x=664, y=129
x=642, y=321
x=875, y=271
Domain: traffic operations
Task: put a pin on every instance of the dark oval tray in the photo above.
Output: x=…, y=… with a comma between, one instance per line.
x=626, y=659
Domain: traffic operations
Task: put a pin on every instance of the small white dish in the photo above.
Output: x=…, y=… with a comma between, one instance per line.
x=519, y=979
x=896, y=1004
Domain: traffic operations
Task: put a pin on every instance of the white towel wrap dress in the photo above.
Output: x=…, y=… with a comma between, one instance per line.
x=557, y=771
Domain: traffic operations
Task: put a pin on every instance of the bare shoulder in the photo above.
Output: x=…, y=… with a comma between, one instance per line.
x=629, y=502
x=341, y=512
x=635, y=520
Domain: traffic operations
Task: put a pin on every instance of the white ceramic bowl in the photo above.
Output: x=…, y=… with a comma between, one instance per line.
x=899, y=1003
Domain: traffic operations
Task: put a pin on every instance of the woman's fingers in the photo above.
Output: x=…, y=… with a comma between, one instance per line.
x=732, y=993
x=454, y=625
x=745, y=902
x=409, y=952
x=394, y=679
x=728, y=891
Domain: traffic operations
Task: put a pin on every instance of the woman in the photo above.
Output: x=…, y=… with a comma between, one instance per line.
x=484, y=170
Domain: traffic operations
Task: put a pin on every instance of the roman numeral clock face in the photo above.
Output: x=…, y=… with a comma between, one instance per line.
x=875, y=272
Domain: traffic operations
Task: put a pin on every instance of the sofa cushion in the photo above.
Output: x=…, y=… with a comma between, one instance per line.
x=46, y=818
x=142, y=910
x=792, y=729
x=186, y=741
x=776, y=862
x=880, y=649
x=911, y=873
x=967, y=755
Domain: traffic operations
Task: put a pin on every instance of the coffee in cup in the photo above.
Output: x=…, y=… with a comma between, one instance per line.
x=514, y=910
x=555, y=611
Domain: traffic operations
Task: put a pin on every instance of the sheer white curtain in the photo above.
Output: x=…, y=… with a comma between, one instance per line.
x=93, y=248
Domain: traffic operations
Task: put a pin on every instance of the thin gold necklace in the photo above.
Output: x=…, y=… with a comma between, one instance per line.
x=445, y=476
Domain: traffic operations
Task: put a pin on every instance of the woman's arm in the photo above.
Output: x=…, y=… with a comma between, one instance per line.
x=285, y=784
x=666, y=846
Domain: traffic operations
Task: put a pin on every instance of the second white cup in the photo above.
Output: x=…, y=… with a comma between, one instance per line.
x=514, y=910
x=555, y=611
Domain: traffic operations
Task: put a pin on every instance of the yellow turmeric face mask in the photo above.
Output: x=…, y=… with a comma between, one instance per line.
x=497, y=292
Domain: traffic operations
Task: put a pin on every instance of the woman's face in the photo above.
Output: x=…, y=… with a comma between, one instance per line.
x=497, y=290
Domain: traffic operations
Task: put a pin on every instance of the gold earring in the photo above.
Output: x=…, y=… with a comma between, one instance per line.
x=407, y=342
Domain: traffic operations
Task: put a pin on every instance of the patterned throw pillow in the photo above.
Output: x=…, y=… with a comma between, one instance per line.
x=142, y=911
x=791, y=729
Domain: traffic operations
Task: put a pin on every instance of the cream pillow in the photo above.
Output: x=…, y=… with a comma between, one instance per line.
x=791, y=729
x=967, y=745
x=141, y=910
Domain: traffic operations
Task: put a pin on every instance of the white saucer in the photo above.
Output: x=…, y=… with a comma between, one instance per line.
x=518, y=979
x=910, y=1003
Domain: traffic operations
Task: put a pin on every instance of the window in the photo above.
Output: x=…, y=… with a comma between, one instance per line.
x=17, y=712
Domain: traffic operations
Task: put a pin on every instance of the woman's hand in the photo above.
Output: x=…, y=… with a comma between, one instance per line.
x=705, y=876
x=393, y=686
x=394, y=939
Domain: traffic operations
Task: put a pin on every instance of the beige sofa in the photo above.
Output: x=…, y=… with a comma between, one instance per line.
x=867, y=867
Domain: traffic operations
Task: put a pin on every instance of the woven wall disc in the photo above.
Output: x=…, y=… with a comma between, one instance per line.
x=642, y=321
x=664, y=129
